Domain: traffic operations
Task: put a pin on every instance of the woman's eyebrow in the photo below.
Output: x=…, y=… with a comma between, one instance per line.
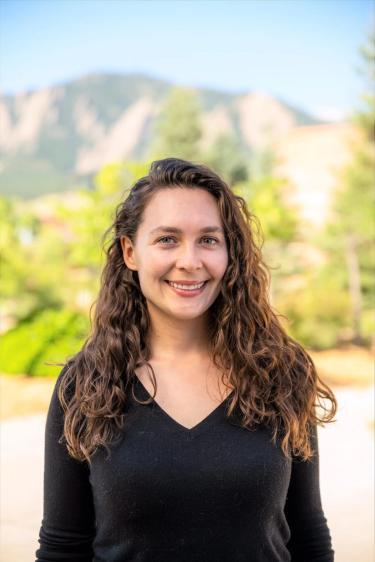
x=179, y=231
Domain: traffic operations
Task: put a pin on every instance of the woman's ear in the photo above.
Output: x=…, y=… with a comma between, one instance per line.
x=128, y=253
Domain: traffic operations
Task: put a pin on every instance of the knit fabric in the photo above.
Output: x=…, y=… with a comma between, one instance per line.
x=213, y=493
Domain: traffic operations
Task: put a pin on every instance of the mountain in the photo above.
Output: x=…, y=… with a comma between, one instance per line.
x=60, y=136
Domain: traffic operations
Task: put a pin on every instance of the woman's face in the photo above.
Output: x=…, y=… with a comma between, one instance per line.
x=180, y=238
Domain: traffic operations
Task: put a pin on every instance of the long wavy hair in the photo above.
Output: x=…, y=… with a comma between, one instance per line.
x=274, y=379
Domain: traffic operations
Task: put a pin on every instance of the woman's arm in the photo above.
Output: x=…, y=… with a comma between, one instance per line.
x=68, y=525
x=310, y=539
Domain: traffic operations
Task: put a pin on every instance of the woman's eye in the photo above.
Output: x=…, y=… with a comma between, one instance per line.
x=212, y=241
x=165, y=238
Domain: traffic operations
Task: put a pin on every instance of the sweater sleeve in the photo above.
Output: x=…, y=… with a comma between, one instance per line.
x=310, y=539
x=68, y=525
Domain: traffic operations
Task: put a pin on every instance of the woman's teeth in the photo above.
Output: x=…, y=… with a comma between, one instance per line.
x=187, y=287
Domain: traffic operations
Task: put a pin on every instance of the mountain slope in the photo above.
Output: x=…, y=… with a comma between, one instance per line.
x=53, y=138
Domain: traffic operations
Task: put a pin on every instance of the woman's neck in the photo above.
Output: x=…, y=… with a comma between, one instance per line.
x=171, y=340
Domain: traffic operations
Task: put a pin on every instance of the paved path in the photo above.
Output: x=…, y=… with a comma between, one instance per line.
x=346, y=477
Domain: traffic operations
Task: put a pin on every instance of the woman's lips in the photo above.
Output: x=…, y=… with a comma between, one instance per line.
x=187, y=292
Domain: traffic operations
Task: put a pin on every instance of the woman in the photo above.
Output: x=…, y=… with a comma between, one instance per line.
x=204, y=405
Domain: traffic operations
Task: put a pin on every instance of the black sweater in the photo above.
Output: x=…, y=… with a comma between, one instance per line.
x=213, y=493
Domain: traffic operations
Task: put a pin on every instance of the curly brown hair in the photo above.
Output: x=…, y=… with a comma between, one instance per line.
x=274, y=379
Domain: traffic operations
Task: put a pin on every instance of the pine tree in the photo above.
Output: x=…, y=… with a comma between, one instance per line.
x=178, y=127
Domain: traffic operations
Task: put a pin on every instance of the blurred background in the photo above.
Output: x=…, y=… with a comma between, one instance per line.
x=278, y=97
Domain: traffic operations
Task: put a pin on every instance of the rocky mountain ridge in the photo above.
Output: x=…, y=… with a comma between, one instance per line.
x=55, y=137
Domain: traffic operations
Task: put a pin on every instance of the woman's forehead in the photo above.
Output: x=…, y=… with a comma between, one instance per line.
x=181, y=210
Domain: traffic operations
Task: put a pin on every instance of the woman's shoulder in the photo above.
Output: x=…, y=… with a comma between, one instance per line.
x=62, y=377
x=65, y=380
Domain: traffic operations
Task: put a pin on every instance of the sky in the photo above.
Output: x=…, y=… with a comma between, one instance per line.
x=305, y=52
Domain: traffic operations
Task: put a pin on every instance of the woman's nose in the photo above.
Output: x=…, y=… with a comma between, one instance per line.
x=189, y=257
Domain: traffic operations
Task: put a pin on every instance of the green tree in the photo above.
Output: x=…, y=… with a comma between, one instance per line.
x=31, y=261
x=114, y=177
x=276, y=224
x=365, y=116
x=262, y=163
x=227, y=158
x=178, y=126
x=349, y=235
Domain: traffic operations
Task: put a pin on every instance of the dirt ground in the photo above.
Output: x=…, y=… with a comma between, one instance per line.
x=22, y=396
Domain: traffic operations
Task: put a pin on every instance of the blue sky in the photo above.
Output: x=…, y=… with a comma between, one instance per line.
x=302, y=51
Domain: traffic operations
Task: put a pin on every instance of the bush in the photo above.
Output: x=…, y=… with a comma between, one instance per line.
x=318, y=313
x=49, y=336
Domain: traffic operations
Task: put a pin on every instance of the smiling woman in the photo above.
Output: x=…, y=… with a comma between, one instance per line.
x=190, y=262
x=205, y=406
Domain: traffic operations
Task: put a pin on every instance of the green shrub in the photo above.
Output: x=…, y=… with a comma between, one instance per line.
x=50, y=336
x=317, y=313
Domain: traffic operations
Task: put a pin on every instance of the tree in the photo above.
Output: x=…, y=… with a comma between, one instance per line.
x=228, y=159
x=31, y=261
x=114, y=177
x=365, y=116
x=178, y=126
x=350, y=232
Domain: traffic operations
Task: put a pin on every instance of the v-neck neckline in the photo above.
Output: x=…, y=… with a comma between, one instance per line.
x=198, y=427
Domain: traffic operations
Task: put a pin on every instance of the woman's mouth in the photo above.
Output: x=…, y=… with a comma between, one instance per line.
x=187, y=290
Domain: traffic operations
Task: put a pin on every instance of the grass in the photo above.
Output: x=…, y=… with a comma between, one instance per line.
x=21, y=395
